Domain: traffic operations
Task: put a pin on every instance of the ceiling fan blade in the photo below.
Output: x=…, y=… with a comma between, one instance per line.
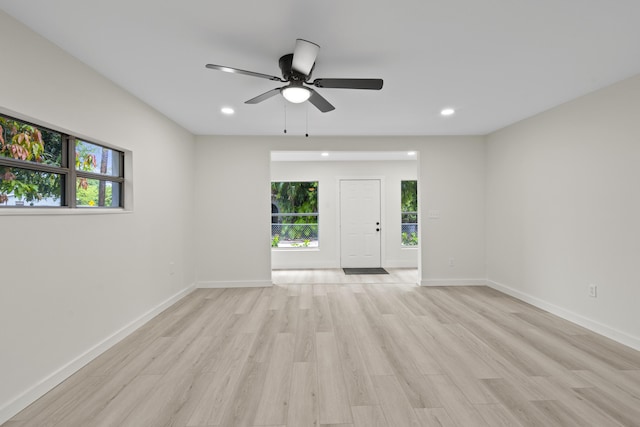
x=245, y=72
x=264, y=96
x=373, y=84
x=304, y=56
x=319, y=102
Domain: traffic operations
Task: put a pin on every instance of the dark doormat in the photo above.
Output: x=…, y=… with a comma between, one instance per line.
x=365, y=271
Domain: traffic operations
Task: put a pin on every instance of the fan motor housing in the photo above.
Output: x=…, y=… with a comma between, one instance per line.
x=288, y=73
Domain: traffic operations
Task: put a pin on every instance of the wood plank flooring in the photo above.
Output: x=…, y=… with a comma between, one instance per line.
x=359, y=351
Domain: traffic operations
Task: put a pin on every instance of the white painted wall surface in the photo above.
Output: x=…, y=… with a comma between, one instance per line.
x=233, y=213
x=328, y=174
x=235, y=172
x=454, y=191
x=71, y=284
x=563, y=209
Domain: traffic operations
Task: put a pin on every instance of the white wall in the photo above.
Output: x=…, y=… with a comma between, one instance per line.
x=232, y=212
x=563, y=209
x=453, y=176
x=328, y=173
x=71, y=284
x=235, y=173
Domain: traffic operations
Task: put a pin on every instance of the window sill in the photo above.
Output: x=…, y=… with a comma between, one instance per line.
x=61, y=211
x=315, y=249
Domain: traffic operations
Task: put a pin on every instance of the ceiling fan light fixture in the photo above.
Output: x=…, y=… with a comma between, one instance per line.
x=296, y=94
x=296, y=71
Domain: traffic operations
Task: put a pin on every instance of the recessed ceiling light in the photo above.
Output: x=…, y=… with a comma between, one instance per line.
x=324, y=154
x=227, y=110
x=447, y=112
x=411, y=153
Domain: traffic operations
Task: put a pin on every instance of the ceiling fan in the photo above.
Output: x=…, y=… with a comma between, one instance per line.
x=296, y=71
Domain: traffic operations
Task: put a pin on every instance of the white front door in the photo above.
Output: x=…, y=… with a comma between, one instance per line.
x=360, y=223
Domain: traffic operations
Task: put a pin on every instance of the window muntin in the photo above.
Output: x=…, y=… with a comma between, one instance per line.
x=409, y=212
x=294, y=214
x=41, y=167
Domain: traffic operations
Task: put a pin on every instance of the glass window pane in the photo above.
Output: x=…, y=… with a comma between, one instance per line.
x=409, y=212
x=294, y=214
x=97, y=159
x=22, y=141
x=23, y=187
x=97, y=193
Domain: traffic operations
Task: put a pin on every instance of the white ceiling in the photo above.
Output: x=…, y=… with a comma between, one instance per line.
x=494, y=61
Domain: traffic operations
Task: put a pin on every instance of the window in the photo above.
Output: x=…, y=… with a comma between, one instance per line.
x=41, y=167
x=409, y=212
x=294, y=214
x=96, y=168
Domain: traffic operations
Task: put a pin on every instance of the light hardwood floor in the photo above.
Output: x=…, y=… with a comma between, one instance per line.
x=353, y=351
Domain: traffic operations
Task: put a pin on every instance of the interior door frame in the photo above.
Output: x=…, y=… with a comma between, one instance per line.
x=383, y=204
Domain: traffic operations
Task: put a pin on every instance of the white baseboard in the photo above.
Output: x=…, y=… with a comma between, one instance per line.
x=303, y=266
x=234, y=284
x=400, y=263
x=33, y=393
x=453, y=282
x=599, y=328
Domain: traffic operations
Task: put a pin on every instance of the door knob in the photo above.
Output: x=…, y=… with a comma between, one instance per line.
x=377, y=229
x=377, y=223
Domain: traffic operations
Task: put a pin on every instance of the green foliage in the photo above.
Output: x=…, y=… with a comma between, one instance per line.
x=87, y=193
x=21, y=141
x=409, y=196
x=304, y=244
x=18, y=188
x=26, y=185
x=409, y=209
x=410, y=239
x=296, y=197
x=299, y=230
x=275, y=240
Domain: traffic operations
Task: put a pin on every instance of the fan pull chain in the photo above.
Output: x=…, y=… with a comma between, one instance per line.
x=285, y=117
x=307, y=128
